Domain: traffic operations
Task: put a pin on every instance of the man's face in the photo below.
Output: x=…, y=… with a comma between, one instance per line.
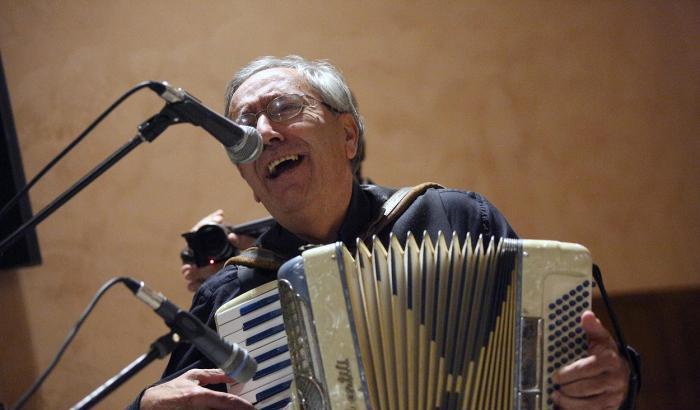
x=305, y=163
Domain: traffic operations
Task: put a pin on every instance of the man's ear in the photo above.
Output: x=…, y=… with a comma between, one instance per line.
x=352, y=134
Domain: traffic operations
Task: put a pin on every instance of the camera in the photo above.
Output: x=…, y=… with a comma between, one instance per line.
x=209, y=244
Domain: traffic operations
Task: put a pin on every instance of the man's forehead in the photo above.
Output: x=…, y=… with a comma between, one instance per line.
x=268, y=82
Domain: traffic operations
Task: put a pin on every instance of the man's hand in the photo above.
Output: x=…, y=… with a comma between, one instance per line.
x=187, y=392
x=598, y=381
x=194, y=276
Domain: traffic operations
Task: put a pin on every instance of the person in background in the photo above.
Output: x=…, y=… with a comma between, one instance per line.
x=194, y=275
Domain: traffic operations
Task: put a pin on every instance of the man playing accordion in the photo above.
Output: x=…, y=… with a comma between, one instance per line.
x=313, y=140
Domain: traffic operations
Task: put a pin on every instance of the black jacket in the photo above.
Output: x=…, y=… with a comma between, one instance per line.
x=437, y=210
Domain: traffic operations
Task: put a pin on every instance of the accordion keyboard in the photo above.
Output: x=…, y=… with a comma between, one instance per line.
x=254, y=322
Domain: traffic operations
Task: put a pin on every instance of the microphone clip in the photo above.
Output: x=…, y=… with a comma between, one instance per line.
x=154, y=126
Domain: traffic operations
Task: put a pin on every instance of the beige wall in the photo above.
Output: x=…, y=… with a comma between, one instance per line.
x=579, y=120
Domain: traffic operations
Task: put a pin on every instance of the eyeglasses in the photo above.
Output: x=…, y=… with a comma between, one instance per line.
x=282, y=108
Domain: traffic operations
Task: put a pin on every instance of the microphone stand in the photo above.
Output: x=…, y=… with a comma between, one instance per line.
x=159, y=349
x=148, y=131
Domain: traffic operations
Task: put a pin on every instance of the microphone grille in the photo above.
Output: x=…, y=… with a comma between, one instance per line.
x=249, y=149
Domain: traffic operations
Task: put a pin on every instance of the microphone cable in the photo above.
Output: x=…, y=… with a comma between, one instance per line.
x=72, y=145
x=71, y=335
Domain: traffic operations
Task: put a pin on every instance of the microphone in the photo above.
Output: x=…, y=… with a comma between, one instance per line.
x=243, y=143
x=229, y=357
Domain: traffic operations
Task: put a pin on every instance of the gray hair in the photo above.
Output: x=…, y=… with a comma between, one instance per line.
x=322, y=77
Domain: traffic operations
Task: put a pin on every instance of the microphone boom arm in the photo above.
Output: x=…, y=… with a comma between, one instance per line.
x=160, y=348
x=148, y=131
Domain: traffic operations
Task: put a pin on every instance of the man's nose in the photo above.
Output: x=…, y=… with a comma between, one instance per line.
x=267, y=130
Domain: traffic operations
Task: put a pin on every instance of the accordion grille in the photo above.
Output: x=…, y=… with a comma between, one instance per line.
x=439, y=318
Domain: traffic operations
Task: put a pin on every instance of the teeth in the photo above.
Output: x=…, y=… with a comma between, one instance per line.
x=272, y=166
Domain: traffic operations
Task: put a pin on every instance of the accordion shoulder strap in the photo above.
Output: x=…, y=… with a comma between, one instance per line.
x=257, y=257
x=395, y=206
x=634, y=359
x=397, y=203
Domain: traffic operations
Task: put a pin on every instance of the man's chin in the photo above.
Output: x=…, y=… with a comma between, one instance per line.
x=288, y=201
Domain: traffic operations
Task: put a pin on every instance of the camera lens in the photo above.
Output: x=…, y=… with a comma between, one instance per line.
x=213, y=241
x=209, y=243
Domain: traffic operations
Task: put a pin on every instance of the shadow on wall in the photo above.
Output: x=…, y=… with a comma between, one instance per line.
x=15, y=375
x=663, y=328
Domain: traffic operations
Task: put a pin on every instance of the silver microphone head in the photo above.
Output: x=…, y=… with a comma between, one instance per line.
x=248, y=371
x=249, y=149
x=241, y=366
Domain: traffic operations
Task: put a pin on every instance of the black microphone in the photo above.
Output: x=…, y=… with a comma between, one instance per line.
x=229, y=357
x=243, y=143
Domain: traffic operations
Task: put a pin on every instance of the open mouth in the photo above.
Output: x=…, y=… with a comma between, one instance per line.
x=281, y=165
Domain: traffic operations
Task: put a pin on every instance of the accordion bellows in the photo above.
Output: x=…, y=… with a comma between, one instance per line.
x=453, y=324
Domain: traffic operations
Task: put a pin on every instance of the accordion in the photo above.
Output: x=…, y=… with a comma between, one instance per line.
x=453, y=324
